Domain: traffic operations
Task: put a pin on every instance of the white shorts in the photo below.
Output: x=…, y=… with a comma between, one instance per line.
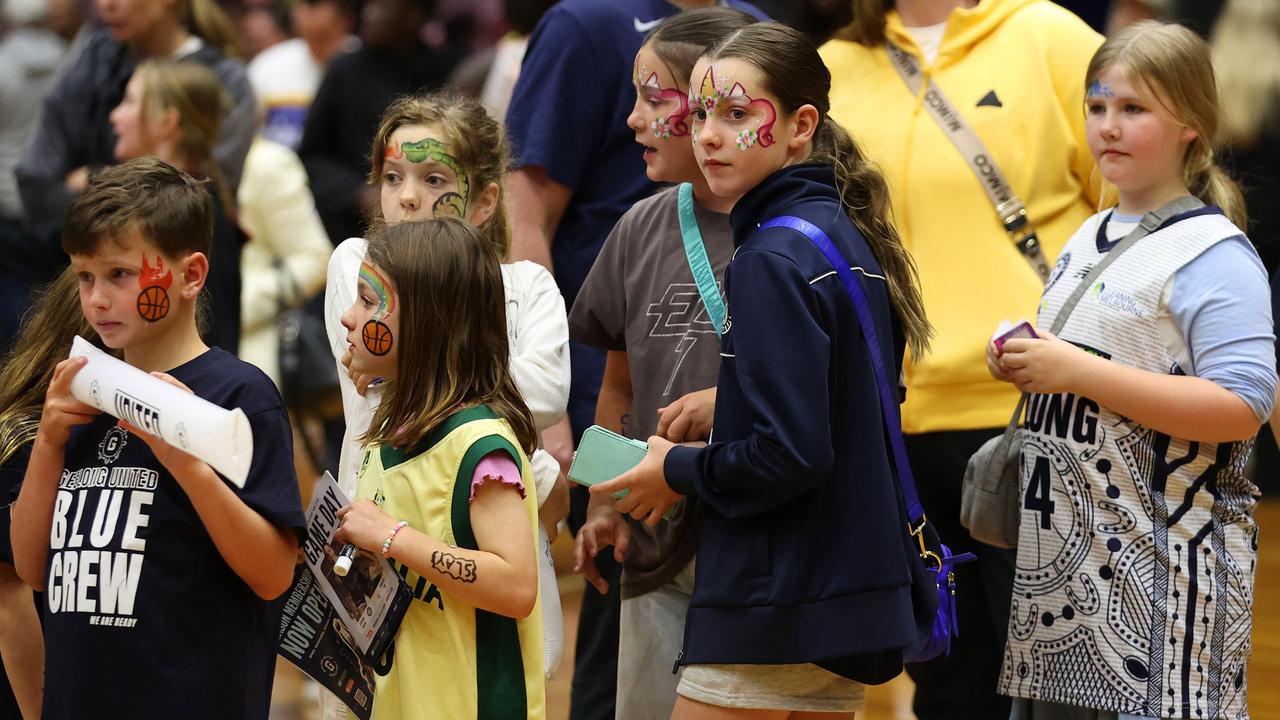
x=803, y=687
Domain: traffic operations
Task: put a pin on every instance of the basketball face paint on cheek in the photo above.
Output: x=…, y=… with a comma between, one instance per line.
x=377, y=338
x=154, y=283
x=376, y=334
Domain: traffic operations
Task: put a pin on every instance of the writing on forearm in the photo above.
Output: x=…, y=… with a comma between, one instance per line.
x=454, y=566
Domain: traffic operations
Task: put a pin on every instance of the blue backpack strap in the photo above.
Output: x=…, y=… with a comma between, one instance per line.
x=888, y=395
x=888, y=398
x=696, y=253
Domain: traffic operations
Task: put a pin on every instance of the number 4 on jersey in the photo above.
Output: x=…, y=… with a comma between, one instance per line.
x=1039, y=498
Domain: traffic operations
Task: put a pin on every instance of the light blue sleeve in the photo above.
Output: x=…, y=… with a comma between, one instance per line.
x=1221, y=301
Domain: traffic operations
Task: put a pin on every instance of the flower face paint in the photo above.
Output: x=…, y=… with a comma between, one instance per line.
x=730, y=101
x=741, y=140
x=154, y=283
x=420, y=177
x=659, y=118
x=649, y=89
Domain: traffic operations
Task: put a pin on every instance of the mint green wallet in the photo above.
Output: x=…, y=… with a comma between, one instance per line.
x=604, y=455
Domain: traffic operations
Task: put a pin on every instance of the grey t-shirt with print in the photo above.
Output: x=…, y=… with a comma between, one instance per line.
x=640, y=297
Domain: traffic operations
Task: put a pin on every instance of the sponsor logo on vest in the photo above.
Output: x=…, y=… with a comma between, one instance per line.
x=1117, y=300
x=1058, y=268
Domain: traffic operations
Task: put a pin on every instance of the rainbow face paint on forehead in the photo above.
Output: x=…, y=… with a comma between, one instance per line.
x=650, y=88
x=381, y=288
x=718, y=96
x=419, y=151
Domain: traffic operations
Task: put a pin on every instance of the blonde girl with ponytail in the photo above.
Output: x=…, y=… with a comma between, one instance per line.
x=1142, y=413
x=173, y=111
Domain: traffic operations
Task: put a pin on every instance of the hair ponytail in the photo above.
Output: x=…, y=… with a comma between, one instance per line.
x=865, y=197
x=868, y=26
x=208, y=21
x=1209, y=182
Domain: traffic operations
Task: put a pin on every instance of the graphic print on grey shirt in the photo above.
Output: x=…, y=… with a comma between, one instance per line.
x=640, y=297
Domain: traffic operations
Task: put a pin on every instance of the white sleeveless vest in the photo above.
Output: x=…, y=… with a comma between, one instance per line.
x=1136, y=550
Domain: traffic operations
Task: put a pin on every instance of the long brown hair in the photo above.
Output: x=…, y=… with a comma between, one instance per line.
x=795, y=74
x=868, y=23
x=474, y=137
x=453, y=331
x=1174, y=65
x=27, y=368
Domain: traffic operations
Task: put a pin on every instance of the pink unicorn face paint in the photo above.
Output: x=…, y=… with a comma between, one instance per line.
x=649, y=90
x=751, y=118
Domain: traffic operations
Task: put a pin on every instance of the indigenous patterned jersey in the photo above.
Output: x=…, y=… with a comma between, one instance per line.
x=450, y=659
x=1136, y=552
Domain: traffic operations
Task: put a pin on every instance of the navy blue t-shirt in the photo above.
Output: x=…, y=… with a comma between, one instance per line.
x=568, y=114
x=143, y=617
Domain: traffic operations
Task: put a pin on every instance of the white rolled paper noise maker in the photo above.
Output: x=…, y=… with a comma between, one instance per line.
x=214, y=434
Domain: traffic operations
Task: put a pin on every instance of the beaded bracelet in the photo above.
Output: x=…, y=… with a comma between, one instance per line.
x=386, y=544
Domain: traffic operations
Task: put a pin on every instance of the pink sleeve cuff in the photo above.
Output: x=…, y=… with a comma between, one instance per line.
x=497, y=466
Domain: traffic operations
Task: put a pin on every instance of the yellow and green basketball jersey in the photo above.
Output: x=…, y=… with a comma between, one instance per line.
x=450, y=659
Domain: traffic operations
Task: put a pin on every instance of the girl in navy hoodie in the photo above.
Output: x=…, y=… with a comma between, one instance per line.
x=805, y=565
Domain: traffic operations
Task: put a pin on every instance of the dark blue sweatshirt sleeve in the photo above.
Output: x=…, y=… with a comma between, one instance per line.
x=780, y=356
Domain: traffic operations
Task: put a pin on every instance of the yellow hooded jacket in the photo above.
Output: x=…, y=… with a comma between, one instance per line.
x=1015, y=70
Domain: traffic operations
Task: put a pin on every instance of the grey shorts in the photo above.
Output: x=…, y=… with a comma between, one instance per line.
x=803, y=687
x=650, y=635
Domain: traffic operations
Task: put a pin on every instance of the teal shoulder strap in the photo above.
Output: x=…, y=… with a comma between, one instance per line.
x=696, y=253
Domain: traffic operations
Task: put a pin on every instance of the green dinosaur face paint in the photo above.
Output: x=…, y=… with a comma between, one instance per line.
x=421, y=178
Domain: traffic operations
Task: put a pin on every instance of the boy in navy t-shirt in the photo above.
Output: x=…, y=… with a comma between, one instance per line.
x=158, y=574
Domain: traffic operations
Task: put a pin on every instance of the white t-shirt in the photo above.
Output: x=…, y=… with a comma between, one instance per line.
x=929, y=38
